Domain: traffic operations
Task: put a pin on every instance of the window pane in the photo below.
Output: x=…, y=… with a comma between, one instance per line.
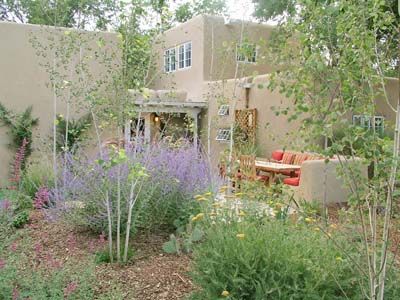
x=166, y=61
x=181, y=56
x=172, y=58
x=246, y=52
x=188, y=54
x=379, y=123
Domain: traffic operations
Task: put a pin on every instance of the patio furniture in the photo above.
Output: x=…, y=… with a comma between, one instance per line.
x=248, y=169
x=294, y=181
x=291, y=157
x=277, y=156
x=274, y=168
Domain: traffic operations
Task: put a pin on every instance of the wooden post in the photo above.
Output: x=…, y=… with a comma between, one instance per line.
x=195, y=116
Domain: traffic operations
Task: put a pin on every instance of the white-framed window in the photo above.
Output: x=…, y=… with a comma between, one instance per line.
x=367, y=122
x=170, y=60
x=223, y=134
x=246, y=52
x=185, y=55
x=223, y=110
x=179, y=57
x=181, y=54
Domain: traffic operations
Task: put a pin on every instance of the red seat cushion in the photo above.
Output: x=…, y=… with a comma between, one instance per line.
x=286, y=173
x=262, y=177
x=288, y=158
x=295, y=181
x=277, y=155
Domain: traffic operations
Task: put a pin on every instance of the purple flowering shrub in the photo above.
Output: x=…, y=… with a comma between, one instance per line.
x=176, y=174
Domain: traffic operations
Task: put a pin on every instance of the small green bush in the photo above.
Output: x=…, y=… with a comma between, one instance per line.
x=274, y=260
x=62, y=283
x=36, y=175
x=17, y=214
x=103, y=256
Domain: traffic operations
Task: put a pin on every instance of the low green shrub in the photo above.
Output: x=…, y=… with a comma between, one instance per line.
x=56, y=283
x=103, y=256
x=276, y=260
x=37, y=174
x=14, y=210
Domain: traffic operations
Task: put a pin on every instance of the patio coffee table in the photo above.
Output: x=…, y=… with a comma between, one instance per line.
x=273, y=168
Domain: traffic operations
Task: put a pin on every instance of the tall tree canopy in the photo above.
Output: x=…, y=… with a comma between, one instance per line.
x=66, y=13
x=189, y=9
x=298, y=11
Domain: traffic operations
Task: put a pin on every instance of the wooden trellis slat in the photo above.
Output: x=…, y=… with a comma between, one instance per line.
x=246, y=119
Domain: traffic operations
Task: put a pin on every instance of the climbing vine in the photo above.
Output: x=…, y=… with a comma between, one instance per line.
x=21, y=126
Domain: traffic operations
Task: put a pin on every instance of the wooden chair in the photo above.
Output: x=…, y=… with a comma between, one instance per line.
x=248, y=171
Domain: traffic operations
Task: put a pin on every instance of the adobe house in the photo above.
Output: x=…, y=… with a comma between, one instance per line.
x=187, y=57
x=200, y=69
x=195, y=74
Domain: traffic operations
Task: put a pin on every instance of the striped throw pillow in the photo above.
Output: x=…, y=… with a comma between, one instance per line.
x=288, y=158
x=300, y=158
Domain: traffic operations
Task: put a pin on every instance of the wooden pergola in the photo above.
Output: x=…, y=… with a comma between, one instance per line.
x=148, y=107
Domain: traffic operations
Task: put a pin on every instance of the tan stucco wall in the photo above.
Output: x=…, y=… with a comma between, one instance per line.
x=393, y=93
x=23, y=83
x=189, y=79
x=324, y=184
x=273, y=132
x=221, y=39
x=213, y=53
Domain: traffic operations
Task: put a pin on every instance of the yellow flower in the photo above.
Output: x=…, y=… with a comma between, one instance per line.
x=316, y=229
x=213, y=214
x=238, y=194
x=278, y=205
x=338, y=258
x=198, y=217
x=225, y=293
x=309, y=220
x=198, y=196
x=240, y=236
x=216, y=205
x=208, y=194
x=242, y=213
x=201, y=199
x=334, y=226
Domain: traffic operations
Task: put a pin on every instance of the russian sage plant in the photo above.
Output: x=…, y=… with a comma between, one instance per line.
x=172, y=176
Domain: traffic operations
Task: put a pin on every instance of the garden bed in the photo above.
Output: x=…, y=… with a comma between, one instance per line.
x=151, y=274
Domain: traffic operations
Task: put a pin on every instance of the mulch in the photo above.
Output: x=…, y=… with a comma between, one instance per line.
x=151, y=274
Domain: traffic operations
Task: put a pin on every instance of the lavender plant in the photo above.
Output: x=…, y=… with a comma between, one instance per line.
x=173, y=175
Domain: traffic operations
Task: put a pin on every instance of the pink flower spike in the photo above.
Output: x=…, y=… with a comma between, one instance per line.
x=71, y=287
x=2, y=263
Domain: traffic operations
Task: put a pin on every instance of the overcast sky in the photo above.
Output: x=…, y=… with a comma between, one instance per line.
x=240, y=9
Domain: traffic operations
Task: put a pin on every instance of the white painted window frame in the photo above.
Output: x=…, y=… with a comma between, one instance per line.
x=223, y=135
x=245, y=59
x=365, y=121
x=170, y=60
x=223, y=110
x=180, y=60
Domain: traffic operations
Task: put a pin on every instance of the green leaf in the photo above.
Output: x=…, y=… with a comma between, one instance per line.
x=172, y=246
x=197, y=234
